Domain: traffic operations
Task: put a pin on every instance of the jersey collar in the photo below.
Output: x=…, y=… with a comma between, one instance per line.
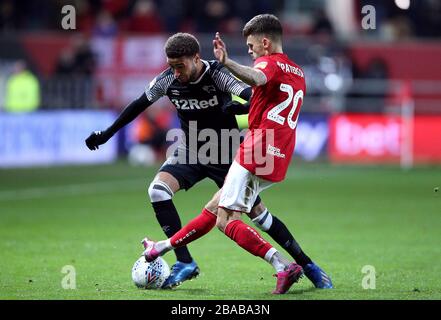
x=207, y=66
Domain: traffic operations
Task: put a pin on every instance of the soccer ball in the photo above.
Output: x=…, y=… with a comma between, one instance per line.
x=150, y=275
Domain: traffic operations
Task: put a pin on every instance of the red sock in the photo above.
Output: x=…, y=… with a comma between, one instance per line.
x=247, y=238
x=195, y=229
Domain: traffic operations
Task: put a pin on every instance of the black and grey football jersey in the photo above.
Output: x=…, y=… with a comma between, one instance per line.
x=199, y=103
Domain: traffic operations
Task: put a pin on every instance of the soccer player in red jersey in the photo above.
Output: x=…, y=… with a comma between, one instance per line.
x=264, y=155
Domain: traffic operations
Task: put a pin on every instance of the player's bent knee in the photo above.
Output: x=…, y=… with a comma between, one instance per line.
x=159, y=191
x=256, y=211
x=221, y=221
x=212, y=205
x=264, y=220
x=221, y=224
x=224, y=217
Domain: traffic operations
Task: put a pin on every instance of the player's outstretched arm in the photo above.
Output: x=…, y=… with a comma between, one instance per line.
x=129, y=113
x=248, y=75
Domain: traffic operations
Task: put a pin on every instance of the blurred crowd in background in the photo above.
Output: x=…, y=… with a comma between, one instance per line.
x=108, y=18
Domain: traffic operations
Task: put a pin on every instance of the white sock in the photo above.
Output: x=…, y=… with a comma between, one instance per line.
x=163, y=246
x=278, y=262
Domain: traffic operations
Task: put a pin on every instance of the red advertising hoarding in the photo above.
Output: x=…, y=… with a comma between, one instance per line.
x=380, y=139
x=427, y=139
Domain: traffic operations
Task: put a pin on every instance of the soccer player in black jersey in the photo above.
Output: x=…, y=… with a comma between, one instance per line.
x=201, y=92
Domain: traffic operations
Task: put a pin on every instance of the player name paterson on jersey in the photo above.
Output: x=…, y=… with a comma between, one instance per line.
x=290, y=69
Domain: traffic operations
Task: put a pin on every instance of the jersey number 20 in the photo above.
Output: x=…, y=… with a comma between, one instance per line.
x=274, y=113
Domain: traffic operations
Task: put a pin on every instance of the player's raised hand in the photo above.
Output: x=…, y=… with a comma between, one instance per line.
x=219, y=48
x=96, y=139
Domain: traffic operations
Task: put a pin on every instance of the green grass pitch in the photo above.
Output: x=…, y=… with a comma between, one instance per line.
x=93, y=218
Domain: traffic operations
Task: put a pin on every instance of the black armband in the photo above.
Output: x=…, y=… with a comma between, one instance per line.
x=246, y=94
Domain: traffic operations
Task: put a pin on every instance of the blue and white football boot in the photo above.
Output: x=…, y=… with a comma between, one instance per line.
x=181, y=272
x=317, y=276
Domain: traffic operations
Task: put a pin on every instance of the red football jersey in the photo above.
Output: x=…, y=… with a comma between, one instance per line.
x=269, y=144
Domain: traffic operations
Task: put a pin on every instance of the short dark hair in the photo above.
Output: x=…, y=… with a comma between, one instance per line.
x=264, y=24
x=181, y=45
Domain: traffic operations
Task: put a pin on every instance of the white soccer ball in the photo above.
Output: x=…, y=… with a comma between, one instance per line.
x=150, y=275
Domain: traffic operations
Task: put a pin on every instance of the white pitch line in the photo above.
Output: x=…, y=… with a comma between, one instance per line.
x=72, y=189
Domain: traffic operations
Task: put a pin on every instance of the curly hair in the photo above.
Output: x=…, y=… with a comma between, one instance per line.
x=181, y=45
